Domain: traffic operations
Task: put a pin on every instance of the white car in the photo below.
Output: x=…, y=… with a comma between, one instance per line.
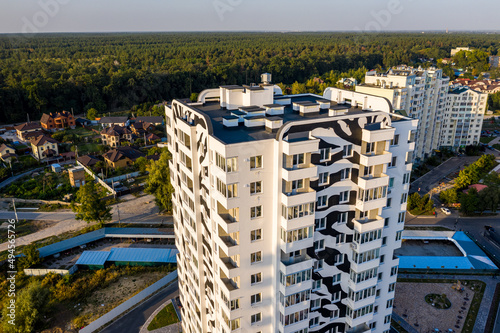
x=445, y=210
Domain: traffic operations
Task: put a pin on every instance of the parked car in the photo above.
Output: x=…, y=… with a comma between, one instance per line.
x=445, y=210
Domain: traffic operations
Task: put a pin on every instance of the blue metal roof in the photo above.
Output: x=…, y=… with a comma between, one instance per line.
x=135, y=231
x=71, y=243
x=133, y=254
x=422, y=262
x=93, y=258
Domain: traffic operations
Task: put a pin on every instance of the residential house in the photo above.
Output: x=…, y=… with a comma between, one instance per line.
x=56, y=121
x=7, y=153
x=155, y=120
x=121, y=157
x=139, y=128
x=23, y=129
x=44, y=147
x=110, y=121
x=112, y=136
x=88, y=161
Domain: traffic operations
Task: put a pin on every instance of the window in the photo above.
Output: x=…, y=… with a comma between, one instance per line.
x=255, y=212
x=404, y=197
x=235, y=324
x=256, y=298
x=347, y=151
x=294, y=278
x=406, y=178
x=394, y=270
x=395, y=141
x=324, y=154
x=338, y=259
x=382, y=259
x=336, y=296
x=319, y=245
x=298, y=211
x=295, y=298
x=387, y=319
x=384, y=241
x=235, y=304
x=391, y=182
x=323, y=178
x=342, y=217
x=232, y=190
x=386, y=222
x=256, y=257
x=340, y=239
x=315, y=304
x=334, y=314
x=366, y=256
x=294, y=318
x=298, y=159
x=322, y=201
x=256, y=278
x=367, y=171
x=318, y=265
x=344, y=196
x=364, y=275
x=370, y=147
x=297, y=234
x=256, y=318
x=401, y=217
x=392, y=287
x=232, y=164
x=255, y=162
x=255, y=235
x=345, y=174
x=316, y=284
x=398, y=235
x=380, y=276
x=389, y=203
x=314, y=322
x=256, y=187
x=320, y=224
x=373, y=325
x=393, y=162
x=336, y=278
x=297, y=184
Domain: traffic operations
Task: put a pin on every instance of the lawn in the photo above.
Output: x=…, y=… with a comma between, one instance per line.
x=486, y=139
x=88, y=148
x=165, y=317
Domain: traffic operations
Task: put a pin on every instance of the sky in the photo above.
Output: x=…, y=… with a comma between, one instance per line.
x=32, y=16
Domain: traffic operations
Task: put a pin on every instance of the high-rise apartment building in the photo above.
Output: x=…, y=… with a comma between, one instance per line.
x=288, y=209
x=421, y=93
x=463, y=117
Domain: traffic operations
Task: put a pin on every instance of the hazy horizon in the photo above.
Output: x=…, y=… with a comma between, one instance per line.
x=92, y=16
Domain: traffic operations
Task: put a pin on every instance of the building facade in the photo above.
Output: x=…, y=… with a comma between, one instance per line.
x=287, y=209
x=420, y=93
x=463, y=117
x=57, y=121
x=44, y=147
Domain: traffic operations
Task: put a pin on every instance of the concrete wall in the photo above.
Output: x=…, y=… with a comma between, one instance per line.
x=39, y=272
x=93, y=175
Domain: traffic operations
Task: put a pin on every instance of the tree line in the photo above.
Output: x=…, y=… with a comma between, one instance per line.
x=106, y=72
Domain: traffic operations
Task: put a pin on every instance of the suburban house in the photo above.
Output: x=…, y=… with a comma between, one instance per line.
x=141, y=127
x=155, y=120
x=88, y=161
x=44, y=147
x=121, y=157
x=76, y=176
x=110, y=121
x=56, y=121
x=26, y=128
x=7, y=153
x=112, y=136
x=151, y=137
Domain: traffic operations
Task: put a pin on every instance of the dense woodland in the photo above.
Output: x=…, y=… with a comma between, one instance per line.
x=109, y=72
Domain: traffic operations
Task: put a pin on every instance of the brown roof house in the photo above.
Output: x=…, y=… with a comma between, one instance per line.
x=155, y=120
x=7, y=153
x=122, y=157
x=112, y=136
x=55, y=121
x=27, y=128
x=139, y=128
x=88, y=161
x=44, y=147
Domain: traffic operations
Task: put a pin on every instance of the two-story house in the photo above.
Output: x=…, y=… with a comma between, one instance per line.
x=112, y=136
x=44, y=147
x=57, y=121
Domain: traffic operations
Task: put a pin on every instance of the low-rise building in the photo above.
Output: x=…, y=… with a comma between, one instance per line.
x=44, y=147
x=56, y=121
x=27, y=128
x=139, y=128
x=76, y=176
x=7, y=153
x=88, y=161
x=110, y=121
x=155, y=120
x=484, y=86
x=458, y=49
x=114, y=135
x=121, y=157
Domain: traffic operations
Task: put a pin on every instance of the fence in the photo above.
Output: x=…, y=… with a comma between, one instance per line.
x=128, y=304
x=44, y=271
x=93, y=175
x=38, y=201
x=122, y=177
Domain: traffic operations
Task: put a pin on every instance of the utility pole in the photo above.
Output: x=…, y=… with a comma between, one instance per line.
x=118, y=209
x=15, y=211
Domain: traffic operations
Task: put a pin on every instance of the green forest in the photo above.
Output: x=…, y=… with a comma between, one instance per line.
x=109, y=72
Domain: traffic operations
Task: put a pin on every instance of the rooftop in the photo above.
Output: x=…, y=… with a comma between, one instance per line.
x=231, y=135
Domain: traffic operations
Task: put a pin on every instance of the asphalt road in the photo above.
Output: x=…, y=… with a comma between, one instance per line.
x=133, y=321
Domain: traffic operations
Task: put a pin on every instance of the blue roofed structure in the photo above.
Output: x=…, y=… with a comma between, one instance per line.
x=93, y=258
x=132, y=256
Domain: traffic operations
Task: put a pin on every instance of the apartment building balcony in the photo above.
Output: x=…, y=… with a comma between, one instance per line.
x=354, y=322
x=229, y=267
x=362, y=328
x=297, y=245
x=366, y=265
x=295, y=264
x=358, y=247
x=302, y=171
x=296, y=326
x=362, y=285
x=373, y=181
x=371, y=159
x=227, y=222
x=300, y=146
x=228, y=245
x=377, y=132
x=371, y=204
x=361, y=303
x=228, y=286
x=297, y=197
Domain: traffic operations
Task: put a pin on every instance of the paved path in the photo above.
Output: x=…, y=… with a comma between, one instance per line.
x=174, y=328
x=484, y=309
x=10, y=180
x=135, y=319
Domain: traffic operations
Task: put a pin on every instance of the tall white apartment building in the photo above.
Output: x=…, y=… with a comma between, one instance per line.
x=421, y=93
x=287, y=209
x=463, y=118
